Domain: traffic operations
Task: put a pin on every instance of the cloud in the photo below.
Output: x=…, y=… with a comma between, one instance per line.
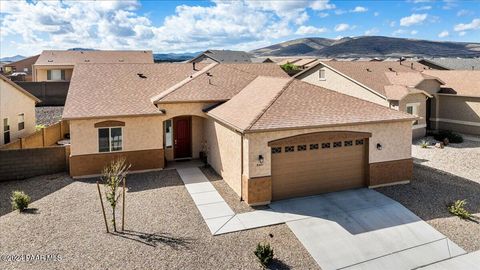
x=443, y=34
x=462, y=33
x=359, y=9
x=310, y=30
x=464, y=12
x=422, y=8
x=376, y=13
x=475, y=24
x=413, y=19
x=392, y=24
x=344, y=27
x=371, y=32
x=242, y=24
x=340, y=11
x=413, y=32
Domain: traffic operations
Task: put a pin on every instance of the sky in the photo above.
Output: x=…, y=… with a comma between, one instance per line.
x=28, y=27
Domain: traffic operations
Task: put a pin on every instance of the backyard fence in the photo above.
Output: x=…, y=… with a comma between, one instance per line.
x=18, y=164
x=44, y=137
x=50, y=93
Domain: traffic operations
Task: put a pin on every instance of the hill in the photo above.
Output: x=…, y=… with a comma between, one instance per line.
x=369, y=46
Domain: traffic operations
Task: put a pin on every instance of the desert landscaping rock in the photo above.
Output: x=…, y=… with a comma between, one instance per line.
x=164, y=230
x=48, y=115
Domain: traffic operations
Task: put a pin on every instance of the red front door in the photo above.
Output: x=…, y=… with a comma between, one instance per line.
x=182, y=137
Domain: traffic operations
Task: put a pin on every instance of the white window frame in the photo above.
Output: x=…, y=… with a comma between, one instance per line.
x=23, y=121
x=109, y=140
x=56, y=70
x=171, y=132
x=415, y=108
x=324, y=78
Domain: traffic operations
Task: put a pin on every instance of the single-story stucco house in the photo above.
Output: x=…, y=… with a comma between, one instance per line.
x=398, y=85
x=268, y=135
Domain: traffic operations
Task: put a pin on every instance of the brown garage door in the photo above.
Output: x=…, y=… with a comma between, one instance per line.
x=313, y=167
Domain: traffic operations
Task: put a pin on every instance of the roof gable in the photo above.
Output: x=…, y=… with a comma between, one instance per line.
x=19, y=88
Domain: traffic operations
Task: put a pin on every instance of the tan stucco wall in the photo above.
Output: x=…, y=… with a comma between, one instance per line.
x=13, y=103
x=224, y=153
x=395, y=139
x=429, y=86
x=139, y=133
x=341, y=84
x=420, y=129
x=40, y=73
x=458, y=113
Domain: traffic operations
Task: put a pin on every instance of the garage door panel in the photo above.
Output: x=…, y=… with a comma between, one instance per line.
x=310, y=172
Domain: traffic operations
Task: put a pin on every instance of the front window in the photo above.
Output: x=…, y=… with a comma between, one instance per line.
x=21, y=121
x=110, y=139
x=412, y=108
x=321, y=74
x=168, y=133
x=56, y=75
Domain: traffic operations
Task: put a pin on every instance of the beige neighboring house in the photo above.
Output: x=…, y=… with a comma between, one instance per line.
x=269, y=136
x=17, y=111
x=58, y=65
x=398, y=85
x=456, y=105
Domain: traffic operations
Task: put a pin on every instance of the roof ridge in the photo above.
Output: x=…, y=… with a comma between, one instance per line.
x=173, y=88
x=262, y=112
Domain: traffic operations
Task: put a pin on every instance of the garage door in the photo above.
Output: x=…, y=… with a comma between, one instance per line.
x=323, y=164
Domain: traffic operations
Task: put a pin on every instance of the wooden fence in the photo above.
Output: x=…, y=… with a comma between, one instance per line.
x=42, y=138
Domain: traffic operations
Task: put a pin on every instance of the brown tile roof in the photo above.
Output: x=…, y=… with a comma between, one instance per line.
x=52, y=57
x=398, y=92
x=374, y=74
x=297, y=104
x=459, y=82
x=102, y=90
x=221, y=82
x=19, y=88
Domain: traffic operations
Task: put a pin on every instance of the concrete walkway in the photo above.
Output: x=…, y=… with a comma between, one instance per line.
x=468, y=261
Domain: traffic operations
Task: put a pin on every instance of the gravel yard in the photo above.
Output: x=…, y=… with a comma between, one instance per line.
x=164, y=229
x=461, y=159
x=428, y=195
x=48, y=115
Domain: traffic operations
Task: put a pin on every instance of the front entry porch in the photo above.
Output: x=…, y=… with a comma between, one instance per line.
x=183, y=138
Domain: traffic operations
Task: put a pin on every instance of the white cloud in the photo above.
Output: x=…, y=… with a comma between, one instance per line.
x=413, y=32
x=399, y=32
x=359, y=9
x=310, y=30
x=344, y=27
x=376, y=14
x=475, y=24
x=242, y=24
x=340, y=11
x=392, y=24
x=371, y=32
x=413, y=19
x=323, y=14
x=463, y=33
x=443, y=34
x=464, y=12
x=422, y=8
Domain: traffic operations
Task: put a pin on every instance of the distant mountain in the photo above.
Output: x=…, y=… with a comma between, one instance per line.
x=173, y=57
x=369, y=46
x=12, y=58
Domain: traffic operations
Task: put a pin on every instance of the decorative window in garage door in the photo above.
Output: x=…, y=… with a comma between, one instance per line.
x=325, y=145
x=314, y=146
x=302, y=147
x=347, y=143
x=289, y=149
x=337, y=144
x=358, y=142
x=276, y=150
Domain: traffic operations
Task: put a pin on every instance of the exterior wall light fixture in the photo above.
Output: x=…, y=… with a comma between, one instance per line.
x=261, y=159
x=379, y=146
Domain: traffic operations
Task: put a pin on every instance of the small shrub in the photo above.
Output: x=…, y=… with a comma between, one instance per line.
x=450, y=135
x=20, y=200
x=424, y=144
x=290, y=68
x=39, y=127
x=458, y=209
x=264, y=254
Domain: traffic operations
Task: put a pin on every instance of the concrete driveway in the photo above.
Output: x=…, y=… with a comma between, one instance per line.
x=363, y=229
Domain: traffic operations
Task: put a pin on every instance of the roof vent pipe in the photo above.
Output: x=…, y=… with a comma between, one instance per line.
x=411, y=65
x=193, y=64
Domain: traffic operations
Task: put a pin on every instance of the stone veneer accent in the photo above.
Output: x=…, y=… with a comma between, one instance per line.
x=257, y=191
x=92, y=164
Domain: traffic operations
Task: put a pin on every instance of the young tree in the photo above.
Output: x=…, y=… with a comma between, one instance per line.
x=113, y=175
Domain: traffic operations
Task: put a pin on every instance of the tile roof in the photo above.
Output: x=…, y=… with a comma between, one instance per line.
x=459, y=82
x=221, y=82
x=455, y=63
x=102, y=90
x=398, y=92
x=51, y=57
x=285, y=104
x=19, y=88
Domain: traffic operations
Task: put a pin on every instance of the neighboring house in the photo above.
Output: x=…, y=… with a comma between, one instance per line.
x=400, y=86
x=23, y=66
x=58, y=65
x=261, y=60
x=268, y=135
x=452, y=63
x=222, y=56
x=17, y=111
x=456, y=105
